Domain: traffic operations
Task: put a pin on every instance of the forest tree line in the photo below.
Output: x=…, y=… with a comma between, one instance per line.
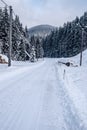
x=19, y=45
x=62, y=42
x=66, y=41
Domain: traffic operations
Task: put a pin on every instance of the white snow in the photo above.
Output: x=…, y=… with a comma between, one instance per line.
x=4, y=57
x=75, y=80
x=41, y=96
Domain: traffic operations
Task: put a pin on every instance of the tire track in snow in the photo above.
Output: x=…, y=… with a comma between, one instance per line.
x=13, y=89
x=50, y=117
x=12, y=116
x=40, y=104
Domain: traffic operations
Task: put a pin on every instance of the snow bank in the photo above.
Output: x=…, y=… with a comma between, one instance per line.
x=3, y=58
x=76, y=59
x=75, y=80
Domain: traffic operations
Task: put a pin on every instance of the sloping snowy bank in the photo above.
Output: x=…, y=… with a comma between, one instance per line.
x=75, y=80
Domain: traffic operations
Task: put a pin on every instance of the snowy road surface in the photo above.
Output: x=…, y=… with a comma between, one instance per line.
x=33, y=98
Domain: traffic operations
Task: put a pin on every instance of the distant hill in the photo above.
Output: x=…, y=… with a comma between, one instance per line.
x=41, y=30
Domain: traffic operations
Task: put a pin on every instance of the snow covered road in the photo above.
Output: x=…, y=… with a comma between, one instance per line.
x=35, y=99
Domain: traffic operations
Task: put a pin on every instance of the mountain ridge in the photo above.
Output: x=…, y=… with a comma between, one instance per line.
x=41, y=30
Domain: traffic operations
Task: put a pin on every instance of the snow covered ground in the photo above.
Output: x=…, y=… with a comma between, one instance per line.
x=39, y=96
x=75, y=80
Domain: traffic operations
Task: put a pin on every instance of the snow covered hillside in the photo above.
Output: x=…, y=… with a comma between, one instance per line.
x=42, y=96
x=41, y=30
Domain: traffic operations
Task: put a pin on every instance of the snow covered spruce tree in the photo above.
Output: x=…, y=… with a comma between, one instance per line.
x=19, y=34
x=4, y=23
x=1, y=17
x=19, y=44
x=32, y=54
x=17, y=41
x=36, y=41
x=66, y=40
x=27, y=45
x=39, y=48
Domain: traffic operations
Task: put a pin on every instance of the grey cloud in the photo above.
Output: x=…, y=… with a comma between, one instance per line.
x=54, y=12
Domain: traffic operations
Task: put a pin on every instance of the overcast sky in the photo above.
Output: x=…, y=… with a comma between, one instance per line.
x=53, y=12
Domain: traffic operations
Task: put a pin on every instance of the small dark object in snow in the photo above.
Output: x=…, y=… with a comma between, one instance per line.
x=67, y=63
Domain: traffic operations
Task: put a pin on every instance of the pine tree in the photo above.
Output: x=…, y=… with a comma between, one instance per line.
x=21, y=51
x=32, y=54
x=5, y=31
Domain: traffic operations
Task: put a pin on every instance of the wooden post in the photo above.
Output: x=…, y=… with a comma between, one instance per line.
x=10, y=36
x=64, y=74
